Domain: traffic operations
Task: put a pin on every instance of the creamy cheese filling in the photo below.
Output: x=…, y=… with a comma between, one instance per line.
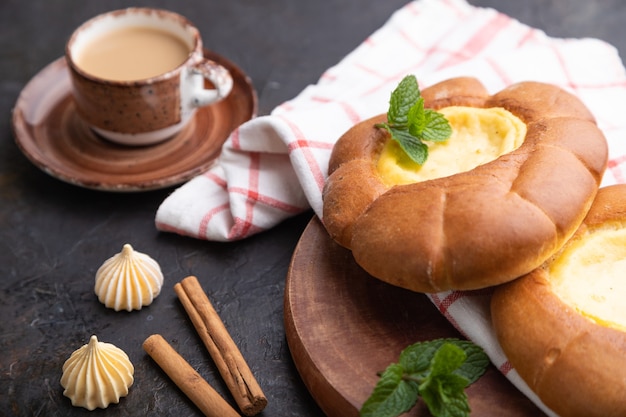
x=478, y=136
x=590, y=275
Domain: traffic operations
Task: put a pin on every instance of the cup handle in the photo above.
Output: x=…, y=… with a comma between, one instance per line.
x=218, y=75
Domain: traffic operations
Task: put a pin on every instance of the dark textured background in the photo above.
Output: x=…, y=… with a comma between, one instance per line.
x=53, y=236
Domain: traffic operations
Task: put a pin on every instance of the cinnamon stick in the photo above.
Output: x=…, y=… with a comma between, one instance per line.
x=227, y=357
x=187, y=379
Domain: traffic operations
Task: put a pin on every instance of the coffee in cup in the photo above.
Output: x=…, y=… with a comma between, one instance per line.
x=132, y=53
x=138, y=74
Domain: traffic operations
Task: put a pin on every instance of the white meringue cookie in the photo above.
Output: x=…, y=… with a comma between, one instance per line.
x=128, y=280
x=96, y=375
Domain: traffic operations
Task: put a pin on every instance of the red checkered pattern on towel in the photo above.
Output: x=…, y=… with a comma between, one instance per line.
x=274, y=167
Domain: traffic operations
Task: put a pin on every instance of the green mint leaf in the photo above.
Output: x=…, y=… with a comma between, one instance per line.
x=442, y=390
x=445, y=397
x=476, y=362
x=417, y=358
x=447, y=359
x=410, y=123
x=420, y=355
x=437, y=370
x=413, y=146
x=417, y=119
x=402, y=99
x=437, y=128
x=393, y=395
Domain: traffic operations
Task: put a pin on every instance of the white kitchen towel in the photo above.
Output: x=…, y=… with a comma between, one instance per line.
x=275, y=166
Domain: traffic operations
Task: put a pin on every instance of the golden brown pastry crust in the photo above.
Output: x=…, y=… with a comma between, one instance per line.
x=478, y=228
x=577, y=367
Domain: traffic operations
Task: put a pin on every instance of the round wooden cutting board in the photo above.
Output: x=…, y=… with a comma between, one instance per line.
x=343, y=326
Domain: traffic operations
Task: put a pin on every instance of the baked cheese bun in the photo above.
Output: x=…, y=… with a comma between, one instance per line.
x=493, y=202
x=563, y=326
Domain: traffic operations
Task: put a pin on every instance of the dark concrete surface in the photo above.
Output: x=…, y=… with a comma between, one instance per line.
x=53, y=236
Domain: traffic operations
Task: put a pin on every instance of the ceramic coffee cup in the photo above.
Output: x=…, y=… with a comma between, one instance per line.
x=138, y=74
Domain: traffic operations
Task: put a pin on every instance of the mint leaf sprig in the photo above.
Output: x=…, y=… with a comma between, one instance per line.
x=438, y=371
x=409, y=123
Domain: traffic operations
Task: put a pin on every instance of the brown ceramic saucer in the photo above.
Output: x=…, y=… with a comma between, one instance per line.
x=343, y=326
x=52, y=136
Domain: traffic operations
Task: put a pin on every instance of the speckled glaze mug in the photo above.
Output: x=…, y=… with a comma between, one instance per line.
x=151, y=82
